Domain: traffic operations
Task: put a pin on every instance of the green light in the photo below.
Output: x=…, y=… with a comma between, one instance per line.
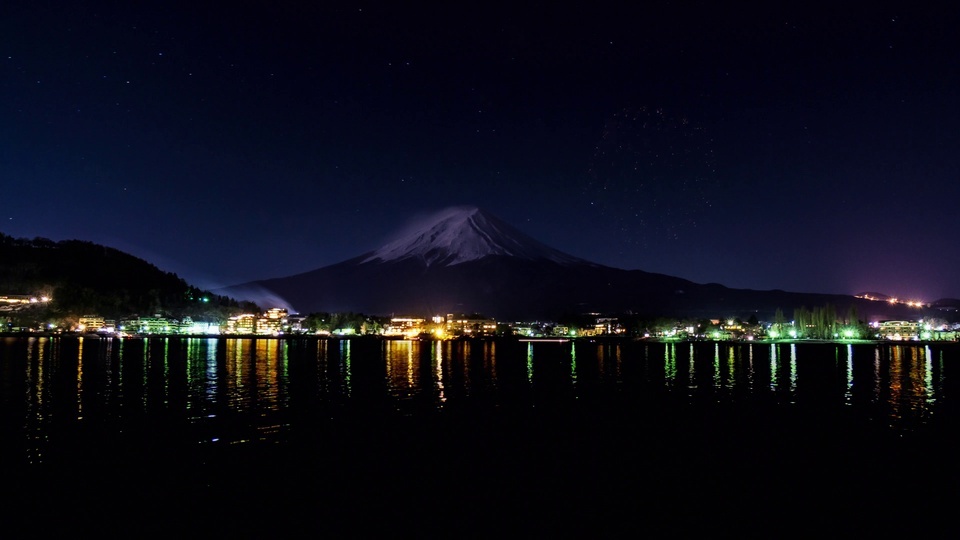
x=774, y=334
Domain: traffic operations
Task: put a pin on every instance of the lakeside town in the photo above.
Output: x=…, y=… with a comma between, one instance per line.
x=819, y=324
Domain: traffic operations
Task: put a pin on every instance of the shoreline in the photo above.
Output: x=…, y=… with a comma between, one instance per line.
x=521, y=339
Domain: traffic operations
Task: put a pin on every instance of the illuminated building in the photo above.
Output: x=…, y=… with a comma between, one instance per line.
x=190, y=327
x=90, y=323
x=272, y=322
x=608, y=325
x=465, y=326
x=899, y=330
x=149, y=325
x=404, y=327
x=241, y=324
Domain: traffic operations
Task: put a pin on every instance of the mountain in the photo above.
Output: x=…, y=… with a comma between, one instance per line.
x=87, y=278
x=463, y=234
x=465, y=260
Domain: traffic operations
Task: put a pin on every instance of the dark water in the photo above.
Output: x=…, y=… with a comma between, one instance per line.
x=362, y=437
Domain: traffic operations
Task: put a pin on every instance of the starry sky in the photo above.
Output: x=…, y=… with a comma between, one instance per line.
x=789, y=146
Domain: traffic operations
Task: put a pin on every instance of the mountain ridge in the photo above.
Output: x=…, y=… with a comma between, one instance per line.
x=466, y=233
x=83, y=277
x=98, y=279
x=465, y=260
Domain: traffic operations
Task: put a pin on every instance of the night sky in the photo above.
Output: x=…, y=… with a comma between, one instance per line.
x=791, y=146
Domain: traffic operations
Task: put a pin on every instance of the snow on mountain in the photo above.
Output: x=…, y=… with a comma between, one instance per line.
x=462, y=234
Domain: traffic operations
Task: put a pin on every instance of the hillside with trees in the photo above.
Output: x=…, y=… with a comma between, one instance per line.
x=81, y=277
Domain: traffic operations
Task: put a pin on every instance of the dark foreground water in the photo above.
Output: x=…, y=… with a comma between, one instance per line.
x=364, y=438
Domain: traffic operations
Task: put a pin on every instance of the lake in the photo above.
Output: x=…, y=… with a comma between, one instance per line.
x=357, y=437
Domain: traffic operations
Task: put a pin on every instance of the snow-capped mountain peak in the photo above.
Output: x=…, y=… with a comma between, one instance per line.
x=462, y=234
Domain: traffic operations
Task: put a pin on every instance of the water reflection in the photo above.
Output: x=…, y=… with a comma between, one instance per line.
x=226, y=389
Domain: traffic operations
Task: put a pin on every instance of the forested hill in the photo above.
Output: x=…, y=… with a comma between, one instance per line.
x=86, y=278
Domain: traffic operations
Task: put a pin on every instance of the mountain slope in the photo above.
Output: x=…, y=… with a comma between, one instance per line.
x=86, y=278
x=462, y=234
x=468, y=261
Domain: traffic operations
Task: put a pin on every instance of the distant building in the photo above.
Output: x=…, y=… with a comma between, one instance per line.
x=149, y=325
x=526, y=329
x=295, y=323
x=188, y=326
x=273, y=322
x=466, y=326
x=899, y=330
x=90, y=323
x=405, y=327
x=608, y=326
x=241, y=324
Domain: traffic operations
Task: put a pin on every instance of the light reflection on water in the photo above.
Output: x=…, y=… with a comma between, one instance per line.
x=256, y=389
